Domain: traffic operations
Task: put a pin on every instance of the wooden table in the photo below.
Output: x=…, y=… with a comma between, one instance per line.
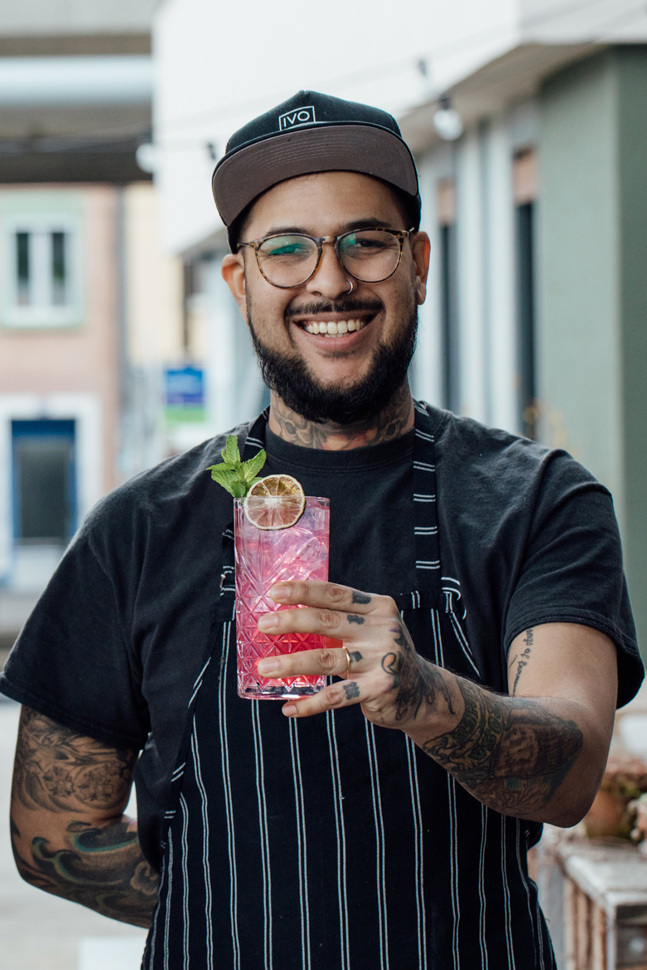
x=605, y=905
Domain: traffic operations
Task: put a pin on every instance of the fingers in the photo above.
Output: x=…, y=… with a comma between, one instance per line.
x=329, y=662
x=361, y=632
x=330, y=596
x=329, y=623
x=340, y=694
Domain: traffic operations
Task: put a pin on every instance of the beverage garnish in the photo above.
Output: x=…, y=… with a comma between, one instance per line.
x=233, y=474
x=275, y=502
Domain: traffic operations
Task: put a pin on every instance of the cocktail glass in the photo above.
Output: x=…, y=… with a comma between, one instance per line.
x=265, y=557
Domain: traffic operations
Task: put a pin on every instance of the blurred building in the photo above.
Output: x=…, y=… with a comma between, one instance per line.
x=91, y=310
x=532, y=148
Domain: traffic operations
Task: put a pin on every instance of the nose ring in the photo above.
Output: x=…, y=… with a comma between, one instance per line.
x=351, y=286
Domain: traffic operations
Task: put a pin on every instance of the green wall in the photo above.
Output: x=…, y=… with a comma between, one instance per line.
x=592, y=283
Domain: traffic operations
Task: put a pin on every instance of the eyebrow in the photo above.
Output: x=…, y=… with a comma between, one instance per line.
x=368, y=223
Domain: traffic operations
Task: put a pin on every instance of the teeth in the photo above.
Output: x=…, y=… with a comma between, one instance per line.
x=333, y=328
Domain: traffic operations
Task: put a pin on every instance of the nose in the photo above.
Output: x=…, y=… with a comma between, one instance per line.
x=330, y=279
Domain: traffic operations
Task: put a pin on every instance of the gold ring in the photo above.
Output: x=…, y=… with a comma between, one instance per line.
x=348, y=660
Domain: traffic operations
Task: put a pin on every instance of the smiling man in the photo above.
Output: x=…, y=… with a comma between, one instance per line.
x=484, y=635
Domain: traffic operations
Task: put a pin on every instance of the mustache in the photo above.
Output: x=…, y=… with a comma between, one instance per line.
x=323, y=307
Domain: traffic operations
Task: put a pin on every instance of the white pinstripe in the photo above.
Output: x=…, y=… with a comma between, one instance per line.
x=302, y=843
x=463, y=644
x=535, y=917
x=416, y=809
x=184, y=855
x=198, y=683
x=379, y=841
x=229, y=810
x=453, y=842
x=262, y=819
x=506, y=896
x=482, y=894
x=340, y=830
x=167, y=920
x=206, y=868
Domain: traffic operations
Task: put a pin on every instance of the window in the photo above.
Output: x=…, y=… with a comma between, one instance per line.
x=42, y=268
x=44, y=481
x=525, y=190
x=41, y=271
x=446, y=200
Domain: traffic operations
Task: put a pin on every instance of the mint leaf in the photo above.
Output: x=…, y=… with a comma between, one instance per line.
x=236, y=476
x=253, y=466
x=226, y=477
x=231, y=452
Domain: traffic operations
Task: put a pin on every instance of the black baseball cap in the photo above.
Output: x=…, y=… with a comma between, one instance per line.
x=313, y=132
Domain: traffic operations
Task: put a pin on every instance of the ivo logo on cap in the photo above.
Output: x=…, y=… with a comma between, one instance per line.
x=300, y=116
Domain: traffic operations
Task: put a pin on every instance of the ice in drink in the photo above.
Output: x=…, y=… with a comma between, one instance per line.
x=265, y=557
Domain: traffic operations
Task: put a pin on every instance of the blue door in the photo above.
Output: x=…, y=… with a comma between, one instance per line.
x=44, y=482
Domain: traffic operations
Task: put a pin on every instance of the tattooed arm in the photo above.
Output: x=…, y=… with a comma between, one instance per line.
x=68, y=831
x=538, y=752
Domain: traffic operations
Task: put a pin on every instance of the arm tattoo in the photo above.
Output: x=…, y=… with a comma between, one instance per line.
x=522, y=659
x=94, y=858
x=415, y=682
x=511, y=754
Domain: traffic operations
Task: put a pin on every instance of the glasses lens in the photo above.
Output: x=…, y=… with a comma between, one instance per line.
x=370, y=255
x=287, y=260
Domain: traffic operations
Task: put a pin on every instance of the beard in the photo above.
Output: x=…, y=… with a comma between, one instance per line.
x=291, y=378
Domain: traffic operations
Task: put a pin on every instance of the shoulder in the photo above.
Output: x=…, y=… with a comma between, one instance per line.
x=177, y=491
x=475, y=456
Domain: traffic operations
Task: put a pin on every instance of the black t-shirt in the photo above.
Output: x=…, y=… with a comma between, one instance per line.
x=527, y=536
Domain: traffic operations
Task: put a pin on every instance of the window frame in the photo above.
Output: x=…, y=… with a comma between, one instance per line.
x=44, y=313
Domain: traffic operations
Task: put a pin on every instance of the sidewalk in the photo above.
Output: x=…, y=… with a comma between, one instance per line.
x=39, y=931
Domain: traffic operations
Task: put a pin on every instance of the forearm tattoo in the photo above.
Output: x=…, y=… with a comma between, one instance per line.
x=513, y=754
x=97, y=863
x=415, y=682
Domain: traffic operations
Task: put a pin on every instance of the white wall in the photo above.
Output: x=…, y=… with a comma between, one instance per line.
x=602, y=21
x=217, y=66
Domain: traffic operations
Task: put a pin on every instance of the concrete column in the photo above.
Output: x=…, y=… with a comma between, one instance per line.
x=592, y=300
x=470, y=278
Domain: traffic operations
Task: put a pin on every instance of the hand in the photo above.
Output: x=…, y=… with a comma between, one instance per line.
x=386, y=676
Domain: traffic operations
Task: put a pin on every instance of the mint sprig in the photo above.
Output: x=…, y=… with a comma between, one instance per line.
x=233, y=474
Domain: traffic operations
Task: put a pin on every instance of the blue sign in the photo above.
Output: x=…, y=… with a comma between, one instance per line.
x=184, y=393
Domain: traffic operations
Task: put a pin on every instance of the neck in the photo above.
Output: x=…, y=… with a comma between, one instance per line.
x=393, y=421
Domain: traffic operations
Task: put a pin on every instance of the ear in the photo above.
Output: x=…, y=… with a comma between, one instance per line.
x=421, y=249
x=233, y=273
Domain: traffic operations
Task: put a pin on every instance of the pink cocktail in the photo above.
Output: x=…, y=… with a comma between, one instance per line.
x=265, y=557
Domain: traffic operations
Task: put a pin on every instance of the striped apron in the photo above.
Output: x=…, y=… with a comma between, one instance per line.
x=331, y=844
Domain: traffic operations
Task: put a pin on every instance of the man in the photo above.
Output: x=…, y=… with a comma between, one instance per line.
x=476, y=593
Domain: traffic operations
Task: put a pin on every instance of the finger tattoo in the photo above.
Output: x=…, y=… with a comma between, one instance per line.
x=351, y=690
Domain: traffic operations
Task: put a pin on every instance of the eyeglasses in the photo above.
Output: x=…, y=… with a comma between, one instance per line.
x=288, y=259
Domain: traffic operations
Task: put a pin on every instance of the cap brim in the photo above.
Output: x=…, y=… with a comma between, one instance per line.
x=367, y=149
